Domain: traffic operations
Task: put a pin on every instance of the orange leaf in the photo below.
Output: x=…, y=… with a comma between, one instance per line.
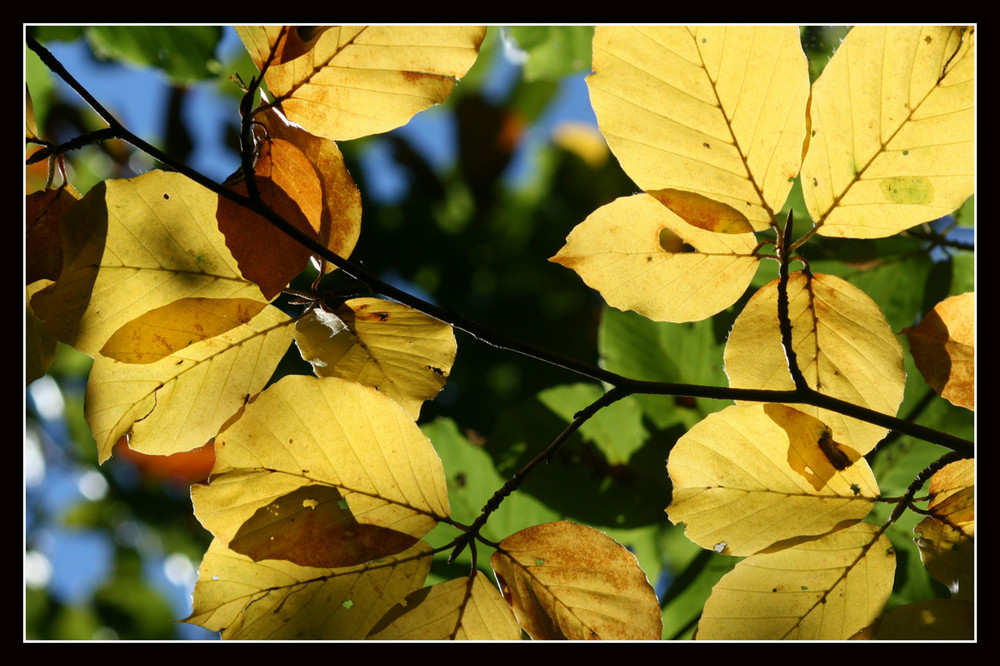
x=943, y=345
x=289, y=185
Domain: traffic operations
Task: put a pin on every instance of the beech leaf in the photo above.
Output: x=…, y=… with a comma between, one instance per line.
x=717, y=111
x=892, y=130
x=133, y=245
x=943, y=345
x=283, y=601
x=843, y=344
x=826, y=589
x=304, y=431
x=345, y=82
x=289, y=186
x=404, y=353
x=469, y=608
x=569, y=581
x=632, y=252
x=180, y=395
x=946, y=537
x=340, y=219
x=751, y=476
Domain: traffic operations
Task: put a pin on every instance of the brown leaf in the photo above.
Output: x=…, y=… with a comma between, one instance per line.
x=309, y=527
x=288, y=185
x=43, y=245
x=568, y=581
x=944, y=348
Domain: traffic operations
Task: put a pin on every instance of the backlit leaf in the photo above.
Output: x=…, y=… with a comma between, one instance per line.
x=946, y=537
x=289, y=186
x=943, y=345
x=568, y=581
x=158, y=333
x=402, y=352
x=893, y=131
x=179, y=396
x=827, y=589
x=752, y=476
x=345, y=82
x=42, y=243
x=310, y=527
x=305, y=431
x=632, y=251
x=283, y=601
x=931, y=620
x=716, y=111
x=133, y=245
x=340, y=220
x=843, y=345
x=458, y=609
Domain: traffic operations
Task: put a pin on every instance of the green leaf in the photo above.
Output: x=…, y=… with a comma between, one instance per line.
x=185, y=53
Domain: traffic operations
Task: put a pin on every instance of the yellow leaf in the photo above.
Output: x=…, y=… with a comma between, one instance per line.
x=283, y=601
x=403, y=353
x=179, y=401
x=458, y=609
x=826, y=589
x=161, y=332
x=631, y=251
x=943, y=345
x=568, y=581
x=752, y=476
x=346, y=82
x=946, y=536
x=843, y=344
x=715, y=111
x=931, y=620
x=305, y=431
x=133, y=245
x=39, y=345
x=702, y=212
x=893, y=130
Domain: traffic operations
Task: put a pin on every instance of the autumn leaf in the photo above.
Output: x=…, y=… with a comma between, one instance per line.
x=943, y=345
x=457, y=609
x=304, y=431
x=683, y=111
x=402, y=352
x=39, y=345
x=946, y=536
x=930, y=620
x=289, y=186
x=826, y=589
x=751, y=476
x=131, y=246
x=340, y=218
x=345, y=82
x=892, y=141
x=632, y=251
x=169, y=396
x=43, y=245
x=279, y=600
x=568, y=581
x=843, y=344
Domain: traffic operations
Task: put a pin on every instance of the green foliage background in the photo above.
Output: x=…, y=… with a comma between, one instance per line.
x=478, y=244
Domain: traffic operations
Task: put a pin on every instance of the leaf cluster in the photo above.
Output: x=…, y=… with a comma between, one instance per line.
x=332, y=513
